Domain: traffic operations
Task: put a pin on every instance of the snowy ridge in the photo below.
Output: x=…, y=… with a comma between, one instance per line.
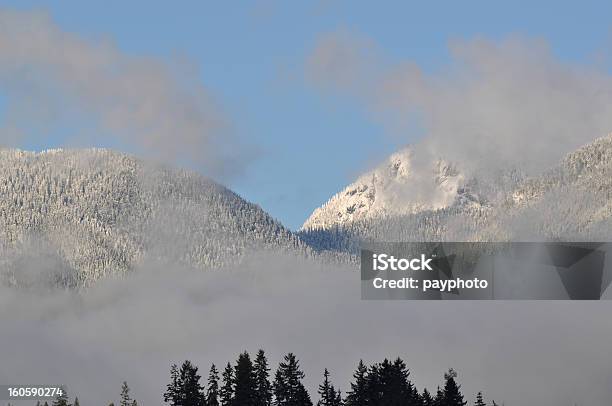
x=96, y=213
x=395, y=187
x=571, y=201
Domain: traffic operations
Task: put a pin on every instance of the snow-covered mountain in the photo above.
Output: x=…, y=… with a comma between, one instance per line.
x=571, y=201
x=396, y=187
x=94, y=213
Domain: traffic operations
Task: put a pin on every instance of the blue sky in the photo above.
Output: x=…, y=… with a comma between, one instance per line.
x=251, y=56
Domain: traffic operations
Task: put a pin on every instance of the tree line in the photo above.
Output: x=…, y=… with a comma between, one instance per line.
x=249, y=383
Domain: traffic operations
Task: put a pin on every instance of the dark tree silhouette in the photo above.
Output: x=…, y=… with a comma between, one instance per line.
x=439, y=399
x=263, y=388
x=184, y=388
x=452, y=393
x=245, y=383
x=396, y=389
x=426, y=399
x=226, y=393
x=212, y=392
x=328, y=394
x=288, y=388
x=358, y=394
x=125, y=399
x=173, y=390
x=479, y=400
x=61, y=400
x=191, y=392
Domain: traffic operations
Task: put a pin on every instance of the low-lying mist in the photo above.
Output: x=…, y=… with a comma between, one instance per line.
x=523, y=353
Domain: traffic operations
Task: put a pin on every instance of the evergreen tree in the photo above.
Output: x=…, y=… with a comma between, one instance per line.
x=374, y=388
x=338, y=399
x=358, y=393
x=479, y=400
x=394, y=387
x=61, y=399
x=452, y=394
x=191, y=393
x=288, y=388
x=263, y=388
x=326, y=391
x=226, y=393
x=329, y=396
x=212, y=393
x=439, y=399
x=125, y=399
x=426, y=399
x=415, y=396
x=245, y=382
x=173, y=390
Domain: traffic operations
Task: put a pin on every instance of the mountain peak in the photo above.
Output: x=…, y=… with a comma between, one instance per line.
x=397, y=186
x=99, y=212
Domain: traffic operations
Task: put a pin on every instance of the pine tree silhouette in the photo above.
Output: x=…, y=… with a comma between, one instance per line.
x=326, y=391
x=439, y=399
x=357, y=396
x=245, y=382
x=452, y=394
x=263, y=387
x=479, y=400
x=173, y=390
x=192, y=393
x=426, y=399
x=226, y=393
x=288, y=388
x=388, y=384
x=61, y=399
x=374, y=387
x=125, y=399
x=212, y=392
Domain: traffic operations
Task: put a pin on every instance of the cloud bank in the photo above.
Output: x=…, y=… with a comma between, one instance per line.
x=495, y=105
x=523, y=353
x=140, y=103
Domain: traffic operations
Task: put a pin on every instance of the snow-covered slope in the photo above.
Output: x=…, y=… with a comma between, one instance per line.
x=96, y=212
x=571, y=201
x=396, y=187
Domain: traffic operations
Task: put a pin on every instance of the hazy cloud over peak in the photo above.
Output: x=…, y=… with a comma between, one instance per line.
x=136, y=102
x=495, y=104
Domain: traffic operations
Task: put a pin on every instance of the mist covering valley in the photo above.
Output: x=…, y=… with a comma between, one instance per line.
x=114, y=265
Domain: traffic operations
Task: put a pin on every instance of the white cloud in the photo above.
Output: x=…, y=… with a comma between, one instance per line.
x=497, y=104
x=138, y=102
